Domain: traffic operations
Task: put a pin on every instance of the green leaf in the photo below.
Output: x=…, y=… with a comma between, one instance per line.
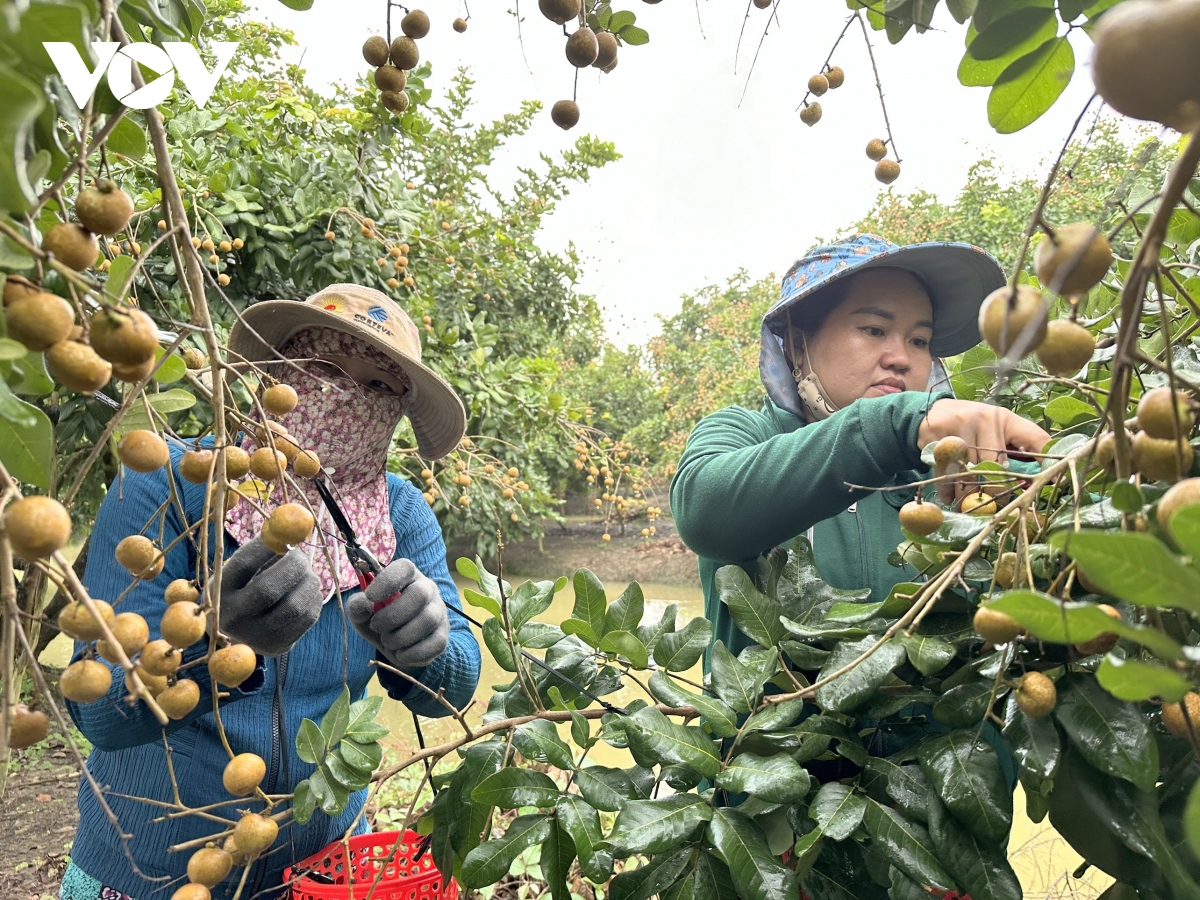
x=512, y=787
x=1185, y=529
x=11, y=350
x=626, y=644
x=590, y=607
x=905, y=784
x=775, y=716
x=128, y=139
x=776, y=779
x=656, y=737
x=1034, y=742
x=738, y=685
x=633, y=35
x=539, y=635
x=1135, y=567
x=860, y=683
x=490, y=861
x=362, y=726
x=336, y=719
x=620, y=19
x=651, y=826
x=1012, y=31
x=582, y=822
x=1030, y=85
x=304, y=802
x=330, y=795
x=649, y=634
x=539, y=741
x=27, y=451
x=755, y=871
x=558, y=852
x=966, y=775
x=903, y=887
x=961, y=10
x=466, y=568
x=363, y=757
x=1129, y=679
x=172, y=369
x=302, y=6
x=1191, y=818
x=980, y=869
x=20, y=104
x=928, y=655
x=497, y=644
x=838, y=810
x=310, y=742
x=1111, y=735
x=529, y=599
x=905, y=844
x=964, y=705
x=482, y=601
x=343, y=773
x=625, y=614
x=756, y=614
x=1052, y=620
x=1066, y=411
x=605, y=788
x=720, y=718
x=680, y=650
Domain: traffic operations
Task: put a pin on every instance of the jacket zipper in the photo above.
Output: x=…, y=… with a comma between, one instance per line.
x=862, y=543
x=276, y=741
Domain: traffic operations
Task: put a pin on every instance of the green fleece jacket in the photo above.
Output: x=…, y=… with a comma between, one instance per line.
x=749, y=481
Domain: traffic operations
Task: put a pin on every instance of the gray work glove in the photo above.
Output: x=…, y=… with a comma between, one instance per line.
x=268, y=601
x=412, y=630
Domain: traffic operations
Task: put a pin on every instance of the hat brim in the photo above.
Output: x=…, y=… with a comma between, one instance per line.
x=958, y=277
x=435, y=410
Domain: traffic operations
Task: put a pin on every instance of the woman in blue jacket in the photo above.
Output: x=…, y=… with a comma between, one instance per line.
x=357, y=372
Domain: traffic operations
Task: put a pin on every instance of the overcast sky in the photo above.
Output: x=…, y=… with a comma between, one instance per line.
x=706, y=185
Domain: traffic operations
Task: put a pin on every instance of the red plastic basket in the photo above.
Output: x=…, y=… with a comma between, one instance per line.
x=404, y=878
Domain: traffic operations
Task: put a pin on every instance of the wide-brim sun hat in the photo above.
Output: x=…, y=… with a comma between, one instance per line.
x=957, y=276
x=435, y=411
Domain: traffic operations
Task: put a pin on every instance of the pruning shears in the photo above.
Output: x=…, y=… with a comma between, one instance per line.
x=367, y=567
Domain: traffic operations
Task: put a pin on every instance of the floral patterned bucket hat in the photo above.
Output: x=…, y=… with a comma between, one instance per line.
x=957, y=276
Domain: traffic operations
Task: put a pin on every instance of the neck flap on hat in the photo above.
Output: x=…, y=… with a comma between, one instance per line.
x=350, y=429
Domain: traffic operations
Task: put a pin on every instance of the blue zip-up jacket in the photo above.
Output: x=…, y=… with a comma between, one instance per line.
x=262, y=716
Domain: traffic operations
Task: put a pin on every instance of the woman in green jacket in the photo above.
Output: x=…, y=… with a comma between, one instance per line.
x=850, y=363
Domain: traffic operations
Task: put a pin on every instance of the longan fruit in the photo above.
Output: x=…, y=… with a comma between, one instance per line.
x=1185, y=493
x=194, y=358
x=85, y=681
x=979, y=503
x=27, y=727
x=16, y=288
x=191, y=891
x=306, y=464
x=1104, y=641
x=887, y=171
x=183, y=624
x=209, y=866
x=404, y=53
x=876, y=149
x=818, y=85
x=994, y=626
x=1067, y=348
x=75, y=365
x=72, y=245
x=835, y=76
x=1161, y=460
x=921, y=518
x=291, y=523
x=179, y=699
x=415, y=24
x=267, y=464
x=155, y=684
x=1157, y=419
x=375, y=50
x=1079, y=245
x=237, y=463
x=138, y=554
x=811, y=114
x=459, y=25
x=76, y=621
x=124, y=335
x=1173, y=719
x=564, y=114
x=1036, y=695
x=243, y=774
x=39, y=321
x=254, y=833
x=1004, y=318
x=232, y=665
x=195, y=466
x=159, y=658
x=37, y=526
x=280, y=399
x=131, y=632
x=181, y=590
x=143, y=451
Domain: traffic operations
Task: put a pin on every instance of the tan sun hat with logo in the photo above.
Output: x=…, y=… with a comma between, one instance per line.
x=435, y=411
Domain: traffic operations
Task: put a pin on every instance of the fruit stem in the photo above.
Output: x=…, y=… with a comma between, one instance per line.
x=878, y=84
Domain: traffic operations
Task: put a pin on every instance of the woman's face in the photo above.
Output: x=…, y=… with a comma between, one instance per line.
x=876, y=341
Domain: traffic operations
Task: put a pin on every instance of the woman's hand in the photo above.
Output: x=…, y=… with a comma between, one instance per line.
x=268, y=601
x=413, y=629
x=992, y=433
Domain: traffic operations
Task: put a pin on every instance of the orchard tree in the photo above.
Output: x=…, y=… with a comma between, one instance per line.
x=1058, y=607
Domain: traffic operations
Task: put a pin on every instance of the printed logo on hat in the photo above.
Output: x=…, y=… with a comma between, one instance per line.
x=333, y=306
x=378, y=313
